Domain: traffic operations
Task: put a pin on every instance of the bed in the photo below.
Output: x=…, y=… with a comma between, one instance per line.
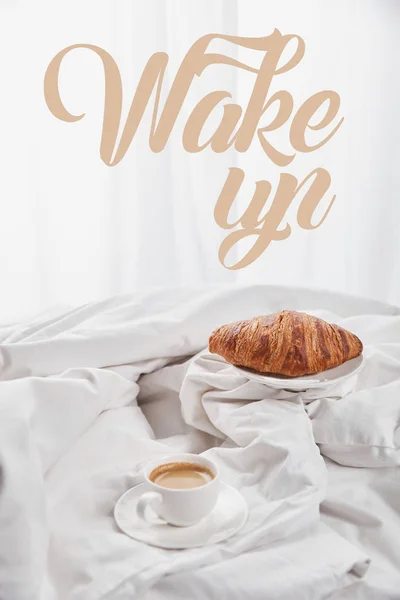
x=89, y=395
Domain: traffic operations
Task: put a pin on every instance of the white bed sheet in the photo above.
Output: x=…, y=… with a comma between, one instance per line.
x=362, y=505
x=87, y=396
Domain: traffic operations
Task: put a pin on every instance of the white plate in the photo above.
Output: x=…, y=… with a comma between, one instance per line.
x=326, y=378
x=228, y=516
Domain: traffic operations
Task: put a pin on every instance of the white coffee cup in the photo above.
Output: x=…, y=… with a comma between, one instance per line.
x=180, y=507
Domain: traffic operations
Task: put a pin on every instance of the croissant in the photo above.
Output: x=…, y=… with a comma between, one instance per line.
x=288, y=343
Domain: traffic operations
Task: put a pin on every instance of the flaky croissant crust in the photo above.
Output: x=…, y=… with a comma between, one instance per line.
x=288, y=343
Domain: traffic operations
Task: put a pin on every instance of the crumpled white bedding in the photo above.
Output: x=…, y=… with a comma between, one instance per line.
x=89, y=395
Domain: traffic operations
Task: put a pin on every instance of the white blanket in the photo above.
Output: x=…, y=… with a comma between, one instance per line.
x=88, y=396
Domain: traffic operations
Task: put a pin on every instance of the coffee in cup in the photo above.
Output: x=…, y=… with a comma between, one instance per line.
x=181, y=475
x=181, y=490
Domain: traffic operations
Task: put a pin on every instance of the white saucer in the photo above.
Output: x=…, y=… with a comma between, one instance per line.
x=228, y=516
x=297, y=384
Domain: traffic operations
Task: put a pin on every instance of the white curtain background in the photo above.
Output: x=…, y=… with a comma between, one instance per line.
x=73, y=230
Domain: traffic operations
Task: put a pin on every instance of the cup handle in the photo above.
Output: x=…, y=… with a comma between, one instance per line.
x=154, y=501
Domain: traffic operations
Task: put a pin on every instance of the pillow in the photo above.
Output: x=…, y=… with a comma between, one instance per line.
x=360, y=430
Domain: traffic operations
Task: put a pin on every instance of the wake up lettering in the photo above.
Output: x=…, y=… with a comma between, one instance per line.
x=237, y=127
